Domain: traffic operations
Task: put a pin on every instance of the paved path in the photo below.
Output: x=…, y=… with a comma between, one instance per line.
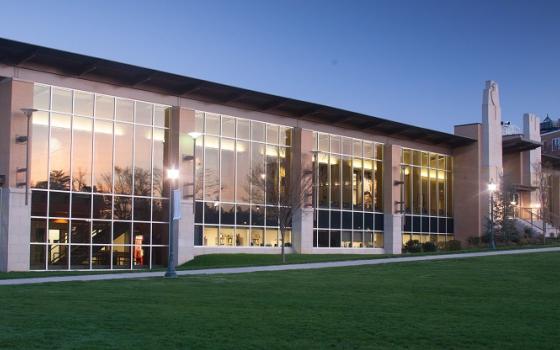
x=307, y=266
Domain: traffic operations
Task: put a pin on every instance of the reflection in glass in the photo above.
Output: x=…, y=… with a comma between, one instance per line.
x=104, y=107
x=103, y=157
x=144, y=113
x=41, y=97
x=125, y=110
x=61, y=100
x=59, y=152
x=83, y=103
x=122, y=208
x=211, y=168
x=123, y=158
x=121, y=257
x=38, y=230
x=81, y=205
x=80, y=256
x=81, y=154
x=59, y=204
x=121, y=232
x=39, y=203
x=80, y=232
x=101, y=232
x=37, y=255
x=102, y=207
x=57, y=257
x=228, y=167
x=143, y=161
x=243, y=171
x=39, y=149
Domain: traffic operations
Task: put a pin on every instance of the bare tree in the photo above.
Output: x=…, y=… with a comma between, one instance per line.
x=293, y=193
x=543, y=183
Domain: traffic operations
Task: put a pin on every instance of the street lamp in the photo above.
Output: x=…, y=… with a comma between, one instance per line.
x=492, y=187
x=174, y=215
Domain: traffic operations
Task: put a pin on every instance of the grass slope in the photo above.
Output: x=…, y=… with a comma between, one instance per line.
x=492, y=302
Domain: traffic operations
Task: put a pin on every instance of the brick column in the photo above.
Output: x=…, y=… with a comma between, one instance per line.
x=302, y=164
x=181, y=150
x=14, y=214
x=392, y=195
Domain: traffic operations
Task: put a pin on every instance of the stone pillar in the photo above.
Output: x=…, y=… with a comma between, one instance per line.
x=491, y=133
x=391, y=197
x=14, y=213
x=468, y=214
x=181, y=151
x=301, y=168
x=531, y=160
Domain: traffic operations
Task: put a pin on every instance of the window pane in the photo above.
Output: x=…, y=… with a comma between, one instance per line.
x=228, y=126
x=378, y=186
x=141, y=234
x=227, y=215
x=335, y=182
x=272, y=134
x=59, y=204
x=102, y=207
x=142, y=209
x=143, y=161
x=121, y=257
x=272, y=175
x=80, y=231
x=57, y=257
x=228, y=169
x=103, y=157
x=39, y=203
x=285, y=161
x=104, y=106
x=82, y=154
x=41, y=97
x=161, y=116
x=125, y=110
x=123, y=158
x=59, y=151
x=101, y=232
x=357, y=184
x=243, y=129
x=81, y=205
x=101, y=257
x=160, y=234
x=58, y=231
x=335, y=144
x=83, y=103
x=39, y=149
x=37, y=257
x=144, y=113
x=368, y=185
x=122, y=208
x=199, y=177
x=347, y=183
x=160, y=155
x=257, y=131
x=38, y=230
x=79, y=256
x=212, y=124
x=211, y=168
x=210, y=236
x=257, y=173
x=243, y=171
x=121, y=232
x=323, y=178
x=257, y=237
x=61, y=100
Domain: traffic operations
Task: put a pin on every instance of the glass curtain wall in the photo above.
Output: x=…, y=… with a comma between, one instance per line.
x=348, y=193
x=428, y=196
x=97, y=181
x=241, y=177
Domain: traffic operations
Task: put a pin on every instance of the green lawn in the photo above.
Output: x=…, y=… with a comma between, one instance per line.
x=492, y=302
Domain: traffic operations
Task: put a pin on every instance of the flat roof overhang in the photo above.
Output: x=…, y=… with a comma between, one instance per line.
x=33, y=57
x=518, y=143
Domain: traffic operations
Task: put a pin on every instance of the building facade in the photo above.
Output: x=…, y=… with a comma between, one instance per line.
x=86, y=143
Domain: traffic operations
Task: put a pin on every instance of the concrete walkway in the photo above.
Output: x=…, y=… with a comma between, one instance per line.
x=308, y=266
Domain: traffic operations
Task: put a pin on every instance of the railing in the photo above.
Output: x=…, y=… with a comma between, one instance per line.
x=510, y=129
x=533, y=217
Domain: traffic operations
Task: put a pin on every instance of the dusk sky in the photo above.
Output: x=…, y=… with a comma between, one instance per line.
x=418, y=62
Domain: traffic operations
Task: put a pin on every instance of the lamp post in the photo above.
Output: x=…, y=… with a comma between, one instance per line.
x=492, y=187
x=172, y=176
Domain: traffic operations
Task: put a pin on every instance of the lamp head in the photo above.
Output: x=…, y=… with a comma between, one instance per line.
x=28, y=111
x=172, y=173
x=195, y=134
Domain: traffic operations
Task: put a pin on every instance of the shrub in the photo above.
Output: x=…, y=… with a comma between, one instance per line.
x=474, y=241
x=429, y=247
x=453, y=245
x=413, y=246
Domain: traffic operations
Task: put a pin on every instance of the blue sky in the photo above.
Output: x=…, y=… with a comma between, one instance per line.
x=421, y=62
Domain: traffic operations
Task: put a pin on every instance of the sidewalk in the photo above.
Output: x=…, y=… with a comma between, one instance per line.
x=307, y=266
